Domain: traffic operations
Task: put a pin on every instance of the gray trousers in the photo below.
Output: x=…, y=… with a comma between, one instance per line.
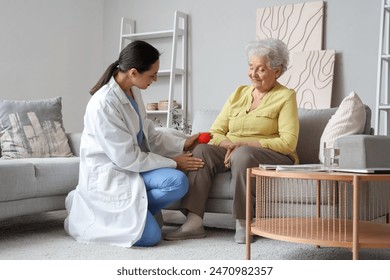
x=201, y=180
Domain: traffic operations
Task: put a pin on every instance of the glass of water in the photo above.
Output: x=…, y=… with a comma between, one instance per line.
x=331, y=157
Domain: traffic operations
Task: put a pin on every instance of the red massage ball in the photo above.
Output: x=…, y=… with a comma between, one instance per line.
x=204, y=138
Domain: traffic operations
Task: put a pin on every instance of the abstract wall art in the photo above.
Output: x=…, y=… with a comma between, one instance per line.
x=300, y=27
x=311, y=76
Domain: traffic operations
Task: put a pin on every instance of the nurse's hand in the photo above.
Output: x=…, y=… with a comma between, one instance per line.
x=193, y=140
x=186, y=162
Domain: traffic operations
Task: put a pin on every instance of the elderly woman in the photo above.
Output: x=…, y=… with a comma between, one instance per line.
x=257, y=125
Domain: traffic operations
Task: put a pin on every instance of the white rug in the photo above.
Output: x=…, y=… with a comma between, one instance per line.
x=42, y=237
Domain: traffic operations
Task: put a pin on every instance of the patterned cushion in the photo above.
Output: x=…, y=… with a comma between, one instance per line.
x=32, y=129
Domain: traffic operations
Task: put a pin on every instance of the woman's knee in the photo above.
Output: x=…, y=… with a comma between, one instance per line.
x=211, y=155
x=200, y=150
x=243, y=157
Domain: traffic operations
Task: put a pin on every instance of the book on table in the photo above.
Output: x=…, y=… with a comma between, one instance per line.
x=321, y=167
x=366, y=170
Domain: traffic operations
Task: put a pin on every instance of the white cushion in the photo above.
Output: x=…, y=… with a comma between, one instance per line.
x=172, y=131
x=203, y=120
x=349, y=119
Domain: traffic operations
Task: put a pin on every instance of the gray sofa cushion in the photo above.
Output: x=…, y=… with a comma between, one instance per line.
x=33, y=185
x=364, y=151
x=55, y=176
x=17, y=180
x=311, y=125
x=74, y=140
x=31, y=206
x=37, y=177
x=220, y=189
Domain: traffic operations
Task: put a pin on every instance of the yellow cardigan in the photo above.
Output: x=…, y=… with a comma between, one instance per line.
x=274, y=123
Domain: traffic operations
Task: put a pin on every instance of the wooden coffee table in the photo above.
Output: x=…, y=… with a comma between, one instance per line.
x=332, y=209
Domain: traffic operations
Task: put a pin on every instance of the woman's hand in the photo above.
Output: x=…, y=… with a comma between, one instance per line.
x=186, y=162
x=230, y=149
x=233, y=146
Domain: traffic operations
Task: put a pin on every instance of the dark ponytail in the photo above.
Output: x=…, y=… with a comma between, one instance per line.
x=138, y=54
x=110, y=71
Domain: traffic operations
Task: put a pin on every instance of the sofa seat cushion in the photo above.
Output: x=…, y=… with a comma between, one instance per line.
x=221, y=186
x=17, y=180
x=54, y=176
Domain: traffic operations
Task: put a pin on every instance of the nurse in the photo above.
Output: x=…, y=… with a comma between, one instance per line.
x=129, y=170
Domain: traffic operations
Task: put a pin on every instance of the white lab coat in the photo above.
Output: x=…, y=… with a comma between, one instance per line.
x=110, y=204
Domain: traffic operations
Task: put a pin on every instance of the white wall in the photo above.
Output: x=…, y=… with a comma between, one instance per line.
x=219, y=30
x=51, y=48
x=61, y=47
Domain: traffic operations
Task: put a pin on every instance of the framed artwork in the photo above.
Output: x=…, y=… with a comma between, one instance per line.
x=299, y=25
x=311, y=76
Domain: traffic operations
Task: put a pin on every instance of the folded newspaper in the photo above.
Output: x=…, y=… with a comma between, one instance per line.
x=294, y=167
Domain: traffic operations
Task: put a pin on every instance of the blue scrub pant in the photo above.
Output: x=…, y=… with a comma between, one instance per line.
x=163, y=186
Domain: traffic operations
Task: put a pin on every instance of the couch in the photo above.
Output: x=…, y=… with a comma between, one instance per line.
x=358, y=151
x=34, y=185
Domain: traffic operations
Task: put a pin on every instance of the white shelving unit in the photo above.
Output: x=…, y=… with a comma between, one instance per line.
x=382, y=113
x=178, y=65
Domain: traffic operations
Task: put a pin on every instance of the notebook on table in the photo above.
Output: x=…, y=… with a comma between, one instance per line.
x=370, y=170
x=320, y=167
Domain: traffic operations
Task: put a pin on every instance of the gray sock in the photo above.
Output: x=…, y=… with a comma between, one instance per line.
x=240, y=225
x=240, y=235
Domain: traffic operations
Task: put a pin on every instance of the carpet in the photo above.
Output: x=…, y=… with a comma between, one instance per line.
x=42, y=237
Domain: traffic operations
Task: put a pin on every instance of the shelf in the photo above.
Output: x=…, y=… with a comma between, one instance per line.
x=382, y=121
x=177, y=72
x=324, y=232
x=148, y=35
x=386, y=56
x=157, y=112
x=167, y=72
x=384, y=107
x=153, y=35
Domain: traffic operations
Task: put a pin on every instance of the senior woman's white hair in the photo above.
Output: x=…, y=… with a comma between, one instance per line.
x=274, y=49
